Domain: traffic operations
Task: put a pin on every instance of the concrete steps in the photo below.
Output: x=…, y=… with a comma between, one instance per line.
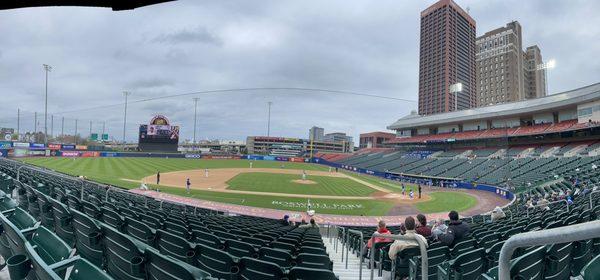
x=352, y=272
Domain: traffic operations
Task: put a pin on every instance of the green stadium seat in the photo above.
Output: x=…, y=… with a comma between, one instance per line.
x=63, y=222
x=124, y=255
x=462, y=247
x=314, y=261
x=303, y=273
x=159, y=267
x=112, y=218
x=312, y=250
x=46, y=215
x=467, y=266
x=582, y=254
x=276, y=256
x=140, y=231
x=175, y=246
x=591, y=270
x=88, y=238
x=207, y=239
x=435, y=257
x=240, y=249
x=558, y=260
x=49, y=246
x=13, y=222
x=528, y=266
x=217, y=263
x=251, y=269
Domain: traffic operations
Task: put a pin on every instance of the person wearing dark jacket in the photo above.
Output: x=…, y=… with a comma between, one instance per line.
x=456, y=231
x=422, y=227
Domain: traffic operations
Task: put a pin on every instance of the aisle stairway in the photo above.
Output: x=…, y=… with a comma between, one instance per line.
x=339, y=266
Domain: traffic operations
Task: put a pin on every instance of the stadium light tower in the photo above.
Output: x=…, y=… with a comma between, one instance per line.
x=269, y=119
x=550, y=64
x=47, y=68
x=456, y=88
x=195, y=114
x=126, y=94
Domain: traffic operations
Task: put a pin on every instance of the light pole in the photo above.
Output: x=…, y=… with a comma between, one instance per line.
x=456, y=88
x=269, y=119
x=47, y=68
x=126, y=94
x=195, y=114
x=545, y=66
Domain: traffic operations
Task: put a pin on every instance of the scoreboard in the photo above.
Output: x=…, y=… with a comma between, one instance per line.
x=158, y=135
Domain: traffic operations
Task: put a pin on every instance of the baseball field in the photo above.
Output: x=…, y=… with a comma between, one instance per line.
x=265, y=184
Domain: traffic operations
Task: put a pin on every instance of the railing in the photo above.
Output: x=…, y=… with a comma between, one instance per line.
x=591, y=201
x=564, y=234
x=361, y=244
x=422, y=247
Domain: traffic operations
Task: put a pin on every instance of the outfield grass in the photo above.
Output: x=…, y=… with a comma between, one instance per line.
x=113, y=170
x=282, y=183
x=445, y=201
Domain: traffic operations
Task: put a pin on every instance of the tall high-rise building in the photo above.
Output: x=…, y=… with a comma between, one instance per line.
x=504, y=72
x=535, y=73
x=500, y=65
x=316, y=133
x=446, y=58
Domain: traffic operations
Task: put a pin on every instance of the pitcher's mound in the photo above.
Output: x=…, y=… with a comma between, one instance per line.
x=305, y=182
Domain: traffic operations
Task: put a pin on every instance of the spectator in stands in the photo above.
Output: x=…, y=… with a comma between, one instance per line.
x=497, y=214
x=543, y=204
x=381, y=229
x=422, y=227
x=311, y=224
x=285, y=220
x=439, y=227
x=400, y=245
x=456, y=230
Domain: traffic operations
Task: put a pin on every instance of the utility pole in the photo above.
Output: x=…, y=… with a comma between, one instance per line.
x=126, y=94
x=62, y=127
x=47, y=68
x=195, y=114
x=18, y=123
x=269, y=119
x=51, y=126
x=75, y=136
x=103, y=126
x=34, y=123
x=90, y=129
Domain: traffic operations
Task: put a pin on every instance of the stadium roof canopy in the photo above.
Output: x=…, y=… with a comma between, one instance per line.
x=557, y=101
x=116, y=5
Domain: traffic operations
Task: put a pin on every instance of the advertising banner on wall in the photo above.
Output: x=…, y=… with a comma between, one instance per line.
x=109, y=154
x=90, y=154
x=21, y=145
x=81, y=147
x=3, y=153
x=70, y=153
x=193, y=155
x=5, y=145
x=54, y=146
x=68, y=147
x=37, y=145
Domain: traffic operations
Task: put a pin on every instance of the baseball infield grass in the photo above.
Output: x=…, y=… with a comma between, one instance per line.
x=283, y=183
x=113, y=170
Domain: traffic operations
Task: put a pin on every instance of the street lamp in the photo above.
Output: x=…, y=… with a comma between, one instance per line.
x=456, y=88
x=269, y=119
x=195, y=113
x=47, y=68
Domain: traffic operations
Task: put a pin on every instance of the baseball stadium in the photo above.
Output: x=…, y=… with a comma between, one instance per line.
x=457, y=190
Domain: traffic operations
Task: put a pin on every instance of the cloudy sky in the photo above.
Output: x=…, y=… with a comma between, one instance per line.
x=191, y=46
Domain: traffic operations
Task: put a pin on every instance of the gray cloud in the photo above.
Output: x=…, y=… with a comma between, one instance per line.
x=190, y=46
x=196, y=35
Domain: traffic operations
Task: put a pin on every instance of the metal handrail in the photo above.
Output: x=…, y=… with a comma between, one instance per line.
x=564, y=234
x=422, y=247
x=591, y=201
x=362, y=236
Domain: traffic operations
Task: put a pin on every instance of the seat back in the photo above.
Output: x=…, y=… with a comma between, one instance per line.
x=161, y=267
x=558, y=260
x=176, y=247
x=592, y=269
x=251, y=269
x=39, y=269
x=88, y=238
x=63, y=221
x=140, y=231
x=304, y=273
x=469, y=265
x=314, y=261
x=207, y=239
x=46, y=215
x=124, y=256
x=240, y=249
x=529, y=266
x=276, y=256
x=216, y=262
